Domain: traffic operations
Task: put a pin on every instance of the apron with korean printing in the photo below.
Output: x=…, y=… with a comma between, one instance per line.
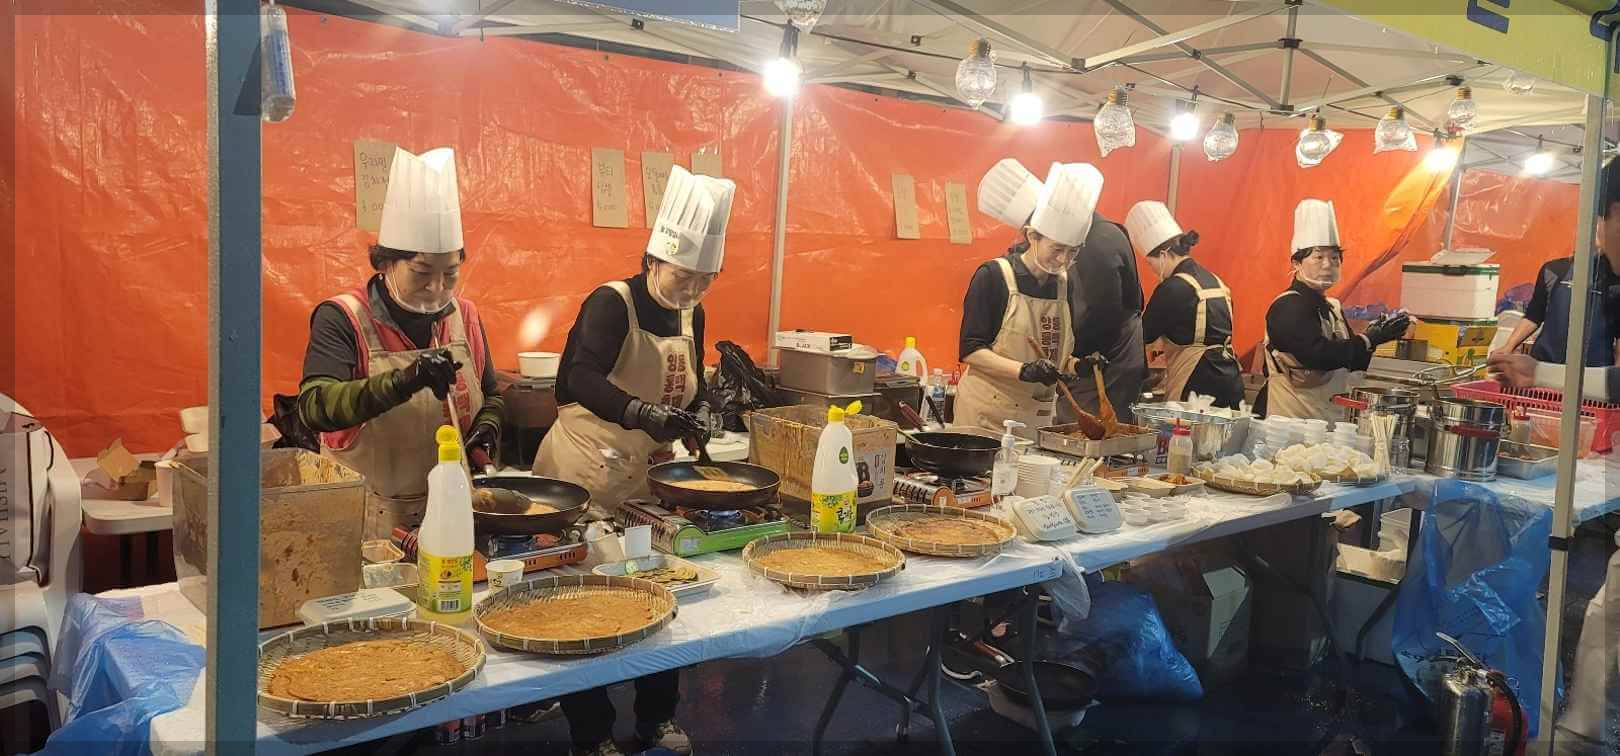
x=984, y=401
x=1181, y=360
x=1293, y=390
x=601, y=455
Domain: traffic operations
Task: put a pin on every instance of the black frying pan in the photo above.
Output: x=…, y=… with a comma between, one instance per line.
x=569, y=499
x=763, y=482
x=953, y=455
x=1064, y=687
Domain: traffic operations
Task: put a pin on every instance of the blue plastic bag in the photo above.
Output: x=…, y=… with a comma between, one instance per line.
x=1482, y=562
x=1126, y=648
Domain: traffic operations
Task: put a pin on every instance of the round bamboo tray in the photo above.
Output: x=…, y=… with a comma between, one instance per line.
x=467, y=649
x=572, y=586
x=844, y=541
x=1249, y=488
x=884, y=524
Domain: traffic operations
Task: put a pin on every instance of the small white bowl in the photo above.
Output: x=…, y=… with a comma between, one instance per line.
x=539, y=364
x=194, y=419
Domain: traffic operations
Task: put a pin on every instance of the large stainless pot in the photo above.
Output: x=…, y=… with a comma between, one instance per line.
x=1464, y=439
x=1364, y=402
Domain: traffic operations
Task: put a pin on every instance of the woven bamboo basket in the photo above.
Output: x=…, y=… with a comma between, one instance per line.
x=1232, y=485
x=467, y=649
x=844, y=541
x=884, y=524
x=572, y=586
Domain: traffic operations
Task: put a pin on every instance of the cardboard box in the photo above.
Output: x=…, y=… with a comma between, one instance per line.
x=815, y=341
x=784, y=439
x=1204, y=599
x=1287, y=631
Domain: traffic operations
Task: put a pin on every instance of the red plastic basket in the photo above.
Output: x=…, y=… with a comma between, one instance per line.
x=1606, y=414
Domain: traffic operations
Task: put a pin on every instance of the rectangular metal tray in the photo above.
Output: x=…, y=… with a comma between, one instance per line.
x=706, y=578
x=1067, y=439
x=1544, y=464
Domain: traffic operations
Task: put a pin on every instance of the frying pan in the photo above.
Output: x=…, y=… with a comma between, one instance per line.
x=569, y=499
x=1064, y=687
x=954, y=455
x=662, y=480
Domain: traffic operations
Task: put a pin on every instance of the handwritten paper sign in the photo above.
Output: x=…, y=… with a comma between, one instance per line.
x=655, y=167
x=372, y=160
x=707, y=164
x=956, y=213
x=905, y=207
x=609, y=205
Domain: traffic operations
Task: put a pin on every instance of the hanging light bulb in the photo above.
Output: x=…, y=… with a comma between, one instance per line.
x=782, y=74
x=976, y=74
x=1462, y=114
x=1443, y=157
x=1540, y=162
x=1184, y=127
x=1026, y=107
x=1518, y=83
x=803, y=13
x=1393, y=133
x=1114, y=126
x=1222, y=140
x=1316, y=142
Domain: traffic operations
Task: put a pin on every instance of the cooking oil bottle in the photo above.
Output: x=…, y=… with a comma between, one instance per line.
x=833, y=481
x=444, y=551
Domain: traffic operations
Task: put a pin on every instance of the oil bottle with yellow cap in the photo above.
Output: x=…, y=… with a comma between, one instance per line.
x=833, y=481
x=444, y=552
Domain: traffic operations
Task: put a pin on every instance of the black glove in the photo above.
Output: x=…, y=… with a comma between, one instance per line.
x=433, y=370
x=483, y=437
x=1095, y=358
x=661, y=421
x=1387, y=329
x=704, y=414
x=1039, y=371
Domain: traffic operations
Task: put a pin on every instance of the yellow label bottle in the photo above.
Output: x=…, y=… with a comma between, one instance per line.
x=832, y=513
x=444, y=549
x=833, y=481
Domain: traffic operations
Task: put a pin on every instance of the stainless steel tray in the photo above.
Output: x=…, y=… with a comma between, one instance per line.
x=706, y=578
x=1067, y=439
x=1543, y=460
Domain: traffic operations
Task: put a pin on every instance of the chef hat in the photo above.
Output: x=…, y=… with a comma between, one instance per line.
x=690, y=231
x=422, y=207
x=1009, y=192
x=1315, y=225
x=1067, y=201
x=1150, y=224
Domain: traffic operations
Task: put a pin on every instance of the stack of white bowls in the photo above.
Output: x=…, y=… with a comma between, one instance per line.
x=1035, y=475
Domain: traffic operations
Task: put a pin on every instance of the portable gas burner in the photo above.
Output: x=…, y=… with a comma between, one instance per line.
x=687, y=532
x=541, y=551
x=928, y=488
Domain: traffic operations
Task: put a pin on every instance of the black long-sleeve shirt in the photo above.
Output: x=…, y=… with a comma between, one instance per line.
x=986, y=302
x=1294, y=325
x=1105, y=292
x=598, y=335
x=334, y=351
x=1172, y=314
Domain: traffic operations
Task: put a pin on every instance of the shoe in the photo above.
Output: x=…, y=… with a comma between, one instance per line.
x=534, y=713
x=604, y=748
x=666, y=735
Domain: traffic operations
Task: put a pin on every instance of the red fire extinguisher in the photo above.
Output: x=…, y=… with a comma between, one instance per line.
x=1479, y=713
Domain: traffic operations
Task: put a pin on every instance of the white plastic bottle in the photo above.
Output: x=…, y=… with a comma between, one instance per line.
x=911, y=361
x=833, y=482
x=1004, y=474
x=1180, y=459
x=277, y=94
x=444, y=550
x=937, y=392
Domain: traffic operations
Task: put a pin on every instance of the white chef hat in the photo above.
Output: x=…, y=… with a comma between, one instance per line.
x=1150, y=224
x=1009, y=192
x=422, y=207
x=1315, y=225
x=690, y=231
x=1067, y=201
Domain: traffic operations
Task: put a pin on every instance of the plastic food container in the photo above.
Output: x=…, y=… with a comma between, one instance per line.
x=538, y=364
x=194, y=419
x=1545, y=430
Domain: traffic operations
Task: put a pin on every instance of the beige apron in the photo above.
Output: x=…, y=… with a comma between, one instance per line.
x=396, y=450
x=1181, y=360
x=984, y=401
x=1292, y=390
x=601, y=455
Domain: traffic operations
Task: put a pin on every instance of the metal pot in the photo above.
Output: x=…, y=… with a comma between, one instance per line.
x=1464, y=439
x=1364, y=402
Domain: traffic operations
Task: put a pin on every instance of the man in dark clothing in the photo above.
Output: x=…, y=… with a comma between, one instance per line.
x=1548, y=311
x=1105, y=299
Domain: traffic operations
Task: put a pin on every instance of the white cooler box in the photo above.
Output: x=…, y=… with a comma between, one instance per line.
x=1455, y=292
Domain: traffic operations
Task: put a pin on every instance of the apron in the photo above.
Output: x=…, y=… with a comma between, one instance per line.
x=656, y=369
x=1182, y=360
x=984, y=401
x=1554, y=336
x=396, y=450
x=1293, y=390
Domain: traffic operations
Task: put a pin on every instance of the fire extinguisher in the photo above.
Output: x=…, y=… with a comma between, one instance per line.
x=1479, y=713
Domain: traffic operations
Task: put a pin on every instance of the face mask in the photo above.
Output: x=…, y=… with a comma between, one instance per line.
x=1325, y=282
x=671, y=293
x=420, y=301
x=1161, y=265
x=1037, y=258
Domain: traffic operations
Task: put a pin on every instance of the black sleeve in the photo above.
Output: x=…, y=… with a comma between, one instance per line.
x=1536, y=311
x=1294, y=327
x=1159, y=318
x=1130, y=281
x=487, y=380
x=333, y=351
x=593, y=350
x=982, y=310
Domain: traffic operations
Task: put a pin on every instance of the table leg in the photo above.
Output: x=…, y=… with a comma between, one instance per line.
x=854, y=637
x=1383, y=607
x=126, y=563
x=934, y=663
x=1043, y=728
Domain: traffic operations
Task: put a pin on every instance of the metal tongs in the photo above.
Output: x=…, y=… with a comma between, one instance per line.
x=1448, y=375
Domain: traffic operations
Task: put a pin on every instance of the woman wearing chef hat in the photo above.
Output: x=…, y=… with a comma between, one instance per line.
x=1191, y=310
x=631, y=382
x=1016, y=335
x=385, y=359
x=1310, y=349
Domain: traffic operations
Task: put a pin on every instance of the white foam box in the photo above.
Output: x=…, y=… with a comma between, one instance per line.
x=1457, y=292
x=814, y=341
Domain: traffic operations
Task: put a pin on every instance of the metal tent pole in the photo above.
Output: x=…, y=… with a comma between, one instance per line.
x=1456, y=195
x=232, y=49
x=784, y=153
x=1174, y=191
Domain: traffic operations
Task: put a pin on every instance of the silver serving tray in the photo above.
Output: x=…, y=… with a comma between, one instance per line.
x=706, y=578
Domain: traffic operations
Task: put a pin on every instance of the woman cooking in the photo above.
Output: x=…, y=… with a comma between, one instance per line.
x=384, y=359
x=1310, y=349
x=631, y=382
x=1191, y=310
x=1016, y=337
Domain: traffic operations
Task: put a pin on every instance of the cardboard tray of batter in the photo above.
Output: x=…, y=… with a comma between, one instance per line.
x=892, y=557
x=885, y=525
x=656, y=597
x=467, y=650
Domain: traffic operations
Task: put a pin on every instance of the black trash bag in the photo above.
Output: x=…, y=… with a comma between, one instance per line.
x=294, y=433
x=739, y=387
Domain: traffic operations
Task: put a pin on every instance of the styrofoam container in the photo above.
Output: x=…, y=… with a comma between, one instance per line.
x=538, y=364
x=1457, y=292
x=194, y=419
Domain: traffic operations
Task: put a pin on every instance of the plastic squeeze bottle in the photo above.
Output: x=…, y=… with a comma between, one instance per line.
x=1004, y=474
x=1181, y=450
x=444, y=551
x=911, y=361
x=833, y=481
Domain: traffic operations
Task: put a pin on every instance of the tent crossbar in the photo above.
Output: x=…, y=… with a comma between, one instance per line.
x=1161, y=57
x=1216, y=68
x=469, y=21
x=1392, y=52
x=385, y=9
x=985, y=26
x=1287, y=87
x=1360, y=82
x=1176, y=37
x=576, y=27
x=1374, y=90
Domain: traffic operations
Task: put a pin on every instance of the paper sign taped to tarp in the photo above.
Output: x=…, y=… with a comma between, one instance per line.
x=372, y=161
x=905, y=207
x=655, y=168
x=956, y=213
x=609, y=206
x=707, y=164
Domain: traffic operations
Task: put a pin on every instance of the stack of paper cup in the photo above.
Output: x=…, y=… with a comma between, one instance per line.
x=1035, y=475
